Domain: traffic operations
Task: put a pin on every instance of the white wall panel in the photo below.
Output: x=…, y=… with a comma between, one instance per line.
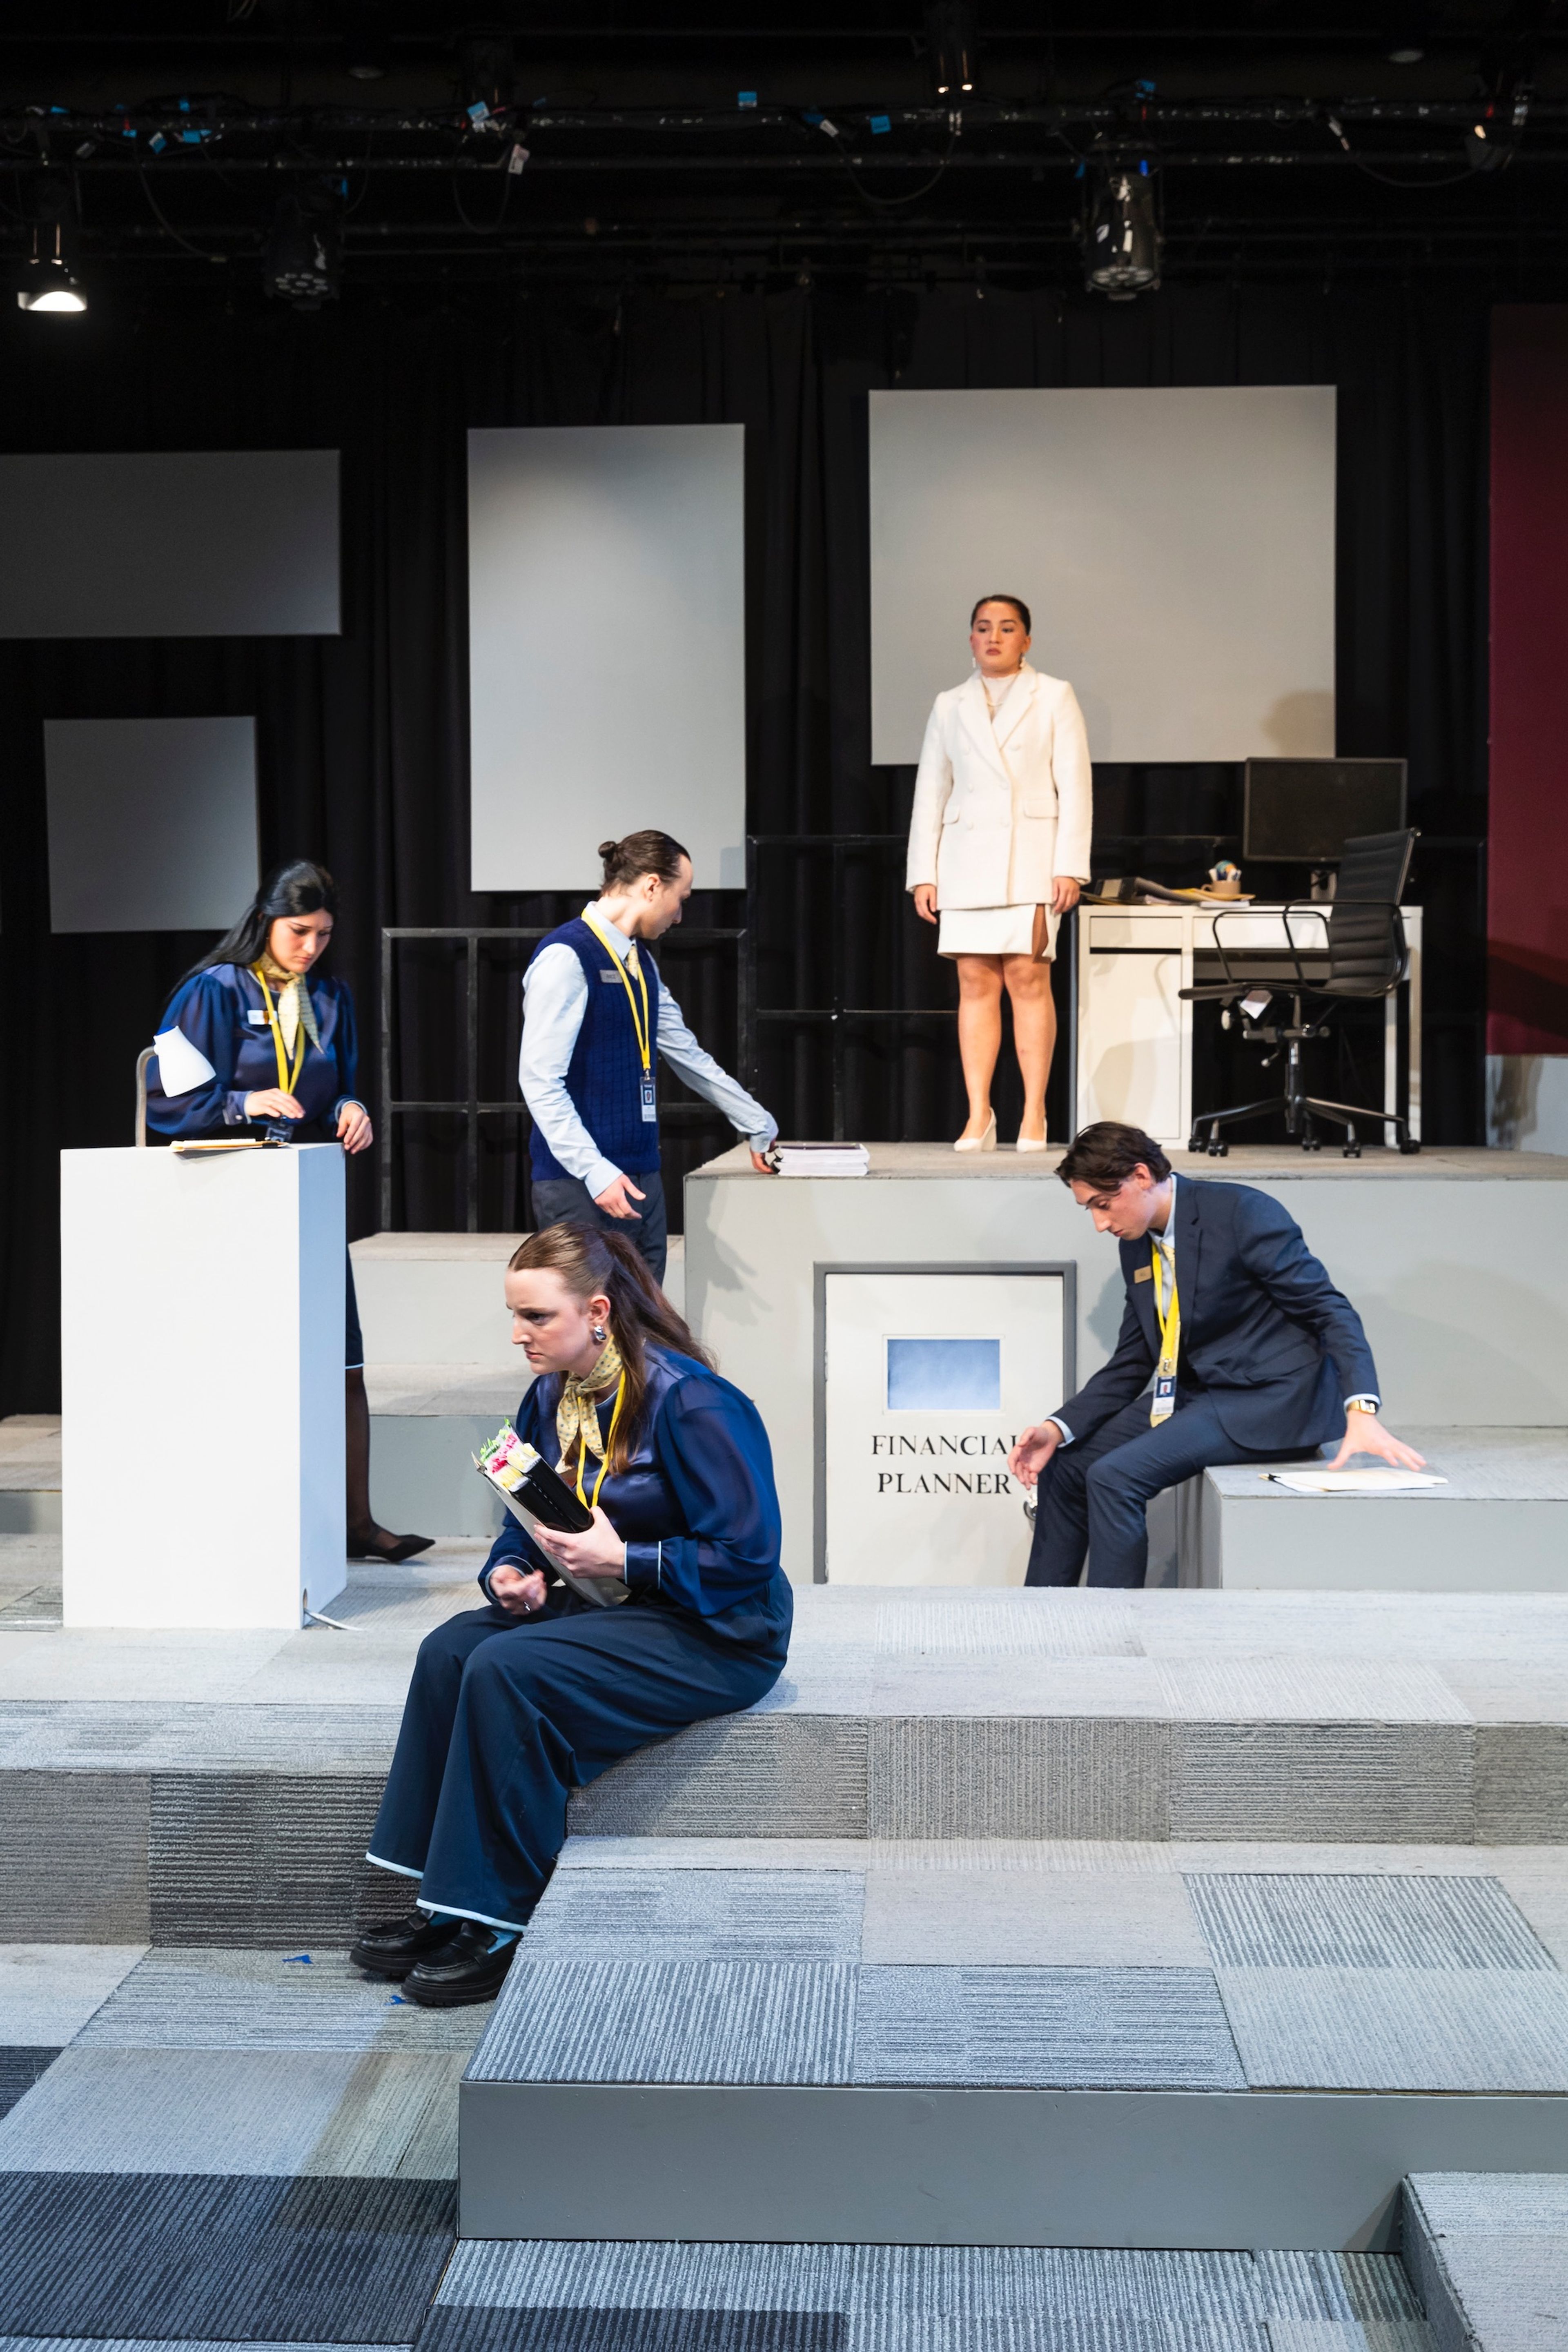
x=607, y=647
x=1176, y=548
x=152, y=823
x=170, y=543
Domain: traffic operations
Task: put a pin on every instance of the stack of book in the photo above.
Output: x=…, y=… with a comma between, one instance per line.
x=821, y=1158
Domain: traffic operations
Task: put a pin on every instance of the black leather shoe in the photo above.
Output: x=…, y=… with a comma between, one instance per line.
x=472, y=1967
x=377, y=1543
x=393, y=1950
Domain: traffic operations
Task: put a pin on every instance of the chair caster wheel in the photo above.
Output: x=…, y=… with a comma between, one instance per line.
x=1353, y=1151
x=1219, y=1151
x=1408, y=1149
x=1196, y=1145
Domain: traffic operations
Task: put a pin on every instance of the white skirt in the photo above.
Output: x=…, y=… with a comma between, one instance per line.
x=994, y=931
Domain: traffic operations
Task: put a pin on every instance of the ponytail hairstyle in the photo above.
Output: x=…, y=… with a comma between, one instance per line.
x=590, y=1262
x=649, y=852
x=297, y=888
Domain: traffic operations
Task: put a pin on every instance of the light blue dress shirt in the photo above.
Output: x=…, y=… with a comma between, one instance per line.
x=554, y=999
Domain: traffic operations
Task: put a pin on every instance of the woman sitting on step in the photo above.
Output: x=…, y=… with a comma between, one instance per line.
x=515, y=1704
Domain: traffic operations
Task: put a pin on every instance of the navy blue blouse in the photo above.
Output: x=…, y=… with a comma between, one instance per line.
x=223, y=1013
x=696, y=1506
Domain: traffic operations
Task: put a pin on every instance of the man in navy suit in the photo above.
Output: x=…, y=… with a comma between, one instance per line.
x=1256, y=1357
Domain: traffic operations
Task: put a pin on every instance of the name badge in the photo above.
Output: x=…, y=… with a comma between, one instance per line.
x=649, y=1107
x=1142, y=1273
x=612, y=975
x=1165, y=1403
x=256, y=1020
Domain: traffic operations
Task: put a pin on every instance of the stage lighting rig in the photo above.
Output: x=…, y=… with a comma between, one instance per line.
x=949, y=37
x=48, y=282
x=303, y=262
x=1122, y=245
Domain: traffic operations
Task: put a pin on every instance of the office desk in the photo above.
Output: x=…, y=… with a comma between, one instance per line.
x=1134, y=1058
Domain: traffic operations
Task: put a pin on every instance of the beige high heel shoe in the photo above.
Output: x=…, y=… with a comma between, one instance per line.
x=987, y=1143
x=1032, y=1143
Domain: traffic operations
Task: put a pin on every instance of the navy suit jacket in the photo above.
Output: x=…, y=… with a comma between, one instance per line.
x=1265, y=1334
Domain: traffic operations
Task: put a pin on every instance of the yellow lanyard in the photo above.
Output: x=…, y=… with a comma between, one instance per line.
x=1164, y=1398
x=591, y=1502
x=642, y=1026
x=286, y=1079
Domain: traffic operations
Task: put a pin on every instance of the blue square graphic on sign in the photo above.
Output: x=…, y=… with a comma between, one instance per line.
x=944, y=1376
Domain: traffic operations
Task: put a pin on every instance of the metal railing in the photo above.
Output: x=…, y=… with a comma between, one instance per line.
x=471, y=1105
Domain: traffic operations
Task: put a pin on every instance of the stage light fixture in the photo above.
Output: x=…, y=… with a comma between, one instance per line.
x=487, y=68
x=366, y=57
x=304, y=263
x=1497, y=127
x=1121, y=241
x=48, y=282
x=949, y=37
x=48, y=285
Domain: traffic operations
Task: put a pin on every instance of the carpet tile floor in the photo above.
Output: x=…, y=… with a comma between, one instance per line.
x=223, y=2146
x=612, y=2298
x=718, y=1962
x=253, y=2148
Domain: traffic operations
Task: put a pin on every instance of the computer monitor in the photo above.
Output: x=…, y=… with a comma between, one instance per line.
x=1304, y=811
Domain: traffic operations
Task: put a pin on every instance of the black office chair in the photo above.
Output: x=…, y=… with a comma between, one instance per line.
x=1364, y=934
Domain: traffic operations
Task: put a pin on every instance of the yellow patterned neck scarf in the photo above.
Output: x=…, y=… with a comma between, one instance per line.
x=577, y=1416
x=294, y=1004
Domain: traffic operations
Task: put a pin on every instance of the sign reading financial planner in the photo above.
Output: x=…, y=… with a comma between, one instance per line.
x=928, y=1378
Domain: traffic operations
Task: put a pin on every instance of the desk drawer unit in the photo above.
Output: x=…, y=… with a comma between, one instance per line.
x=1131, y=1028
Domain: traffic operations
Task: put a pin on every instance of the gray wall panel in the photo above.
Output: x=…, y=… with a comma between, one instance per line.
x=152, y=823
x=1176, y=547
x=158, y=543
x=607, y=647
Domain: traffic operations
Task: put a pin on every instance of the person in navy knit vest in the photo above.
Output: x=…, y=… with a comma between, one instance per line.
x=595, y=1016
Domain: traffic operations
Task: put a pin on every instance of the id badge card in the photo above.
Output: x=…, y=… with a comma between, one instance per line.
x=649, y=1106
x=1165, y=1403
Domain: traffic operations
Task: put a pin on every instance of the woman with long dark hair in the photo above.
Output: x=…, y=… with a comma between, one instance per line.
x=257, y=1040
x=515, y=1704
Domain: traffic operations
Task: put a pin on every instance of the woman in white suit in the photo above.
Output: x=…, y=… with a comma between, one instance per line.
x=999, y=848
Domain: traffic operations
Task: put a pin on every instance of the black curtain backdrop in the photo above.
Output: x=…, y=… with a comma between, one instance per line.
x=363, y=738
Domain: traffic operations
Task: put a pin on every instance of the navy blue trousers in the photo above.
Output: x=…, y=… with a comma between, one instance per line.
x=1094, y=1497
x=505, y=1717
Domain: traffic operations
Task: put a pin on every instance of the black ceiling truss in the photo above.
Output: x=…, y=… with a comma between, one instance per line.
x=613, y=155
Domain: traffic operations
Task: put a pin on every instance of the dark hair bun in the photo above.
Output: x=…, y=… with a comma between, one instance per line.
x=649, y=852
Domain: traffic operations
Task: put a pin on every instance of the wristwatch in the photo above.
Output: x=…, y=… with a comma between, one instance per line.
x=1367, y=1405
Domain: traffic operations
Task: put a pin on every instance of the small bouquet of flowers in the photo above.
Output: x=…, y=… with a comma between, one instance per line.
x=537, y=1495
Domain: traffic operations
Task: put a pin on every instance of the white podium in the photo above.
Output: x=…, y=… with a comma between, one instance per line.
x=201, y=1386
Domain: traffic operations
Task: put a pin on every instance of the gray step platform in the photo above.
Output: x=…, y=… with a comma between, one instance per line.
x=1488, y=2254
x=848, y=2298
x=194, y=1787
x=917, y=2046
x=30, y=1474
x=1500, y=1524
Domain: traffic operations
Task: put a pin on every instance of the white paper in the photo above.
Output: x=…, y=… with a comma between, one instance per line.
x=1355, y=1482
x=821, y=1159
x=182, y=1066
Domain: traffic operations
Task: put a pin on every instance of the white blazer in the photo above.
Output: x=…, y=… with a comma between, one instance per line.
x=998, y=812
